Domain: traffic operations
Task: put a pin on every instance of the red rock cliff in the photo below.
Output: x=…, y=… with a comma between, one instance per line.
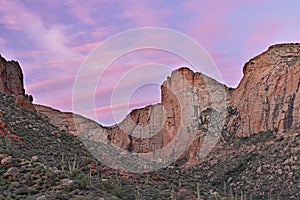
x=11, y=82
x=268, y=96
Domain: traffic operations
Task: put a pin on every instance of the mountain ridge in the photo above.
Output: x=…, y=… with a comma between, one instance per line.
x=40, y=159
x=239, y=102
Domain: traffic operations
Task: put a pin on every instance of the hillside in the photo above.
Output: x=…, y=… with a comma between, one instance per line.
x=261, y=165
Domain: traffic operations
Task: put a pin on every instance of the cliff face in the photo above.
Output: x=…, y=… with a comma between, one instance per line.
x=11, y=82
x=268, y=96
x=11, y=78
x=184, y=110
x=194, y=105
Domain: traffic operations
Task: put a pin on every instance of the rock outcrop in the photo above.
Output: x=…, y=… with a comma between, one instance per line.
x=268, y=96
x=11, y=82
x=11, y=78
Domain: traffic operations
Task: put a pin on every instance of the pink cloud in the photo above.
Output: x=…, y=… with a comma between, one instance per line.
x=3, y=41
x=65, y=63
x=85, y=48
x=124, y=105
x=265, y=34
x=145, y=13
x=209, y=21
x=14, y=17
x=54, y=83
x=51, y=39
x=56, y=93
x=62, y=102
x=10, y=22
x=28, y=54
x=104, y=113
x=82, y=13
x=101, y=33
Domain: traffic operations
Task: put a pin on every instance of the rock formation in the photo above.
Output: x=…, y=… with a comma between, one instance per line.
x=11, y=78
x=268, y=96
x=36, y=156
x=11, y=82
x=266, y=99
x=197, y=106
x=190, y=104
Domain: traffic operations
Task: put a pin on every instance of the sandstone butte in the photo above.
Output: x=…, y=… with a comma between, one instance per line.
x=267, y=98
x=11, y=82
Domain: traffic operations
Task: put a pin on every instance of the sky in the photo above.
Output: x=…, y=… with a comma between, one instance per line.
x=52, y=38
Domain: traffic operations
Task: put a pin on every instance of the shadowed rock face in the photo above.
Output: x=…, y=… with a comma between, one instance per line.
x=11, y=82
x=267, y=98
x=11, y=78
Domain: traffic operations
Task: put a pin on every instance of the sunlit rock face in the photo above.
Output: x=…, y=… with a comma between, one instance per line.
x=268, y=96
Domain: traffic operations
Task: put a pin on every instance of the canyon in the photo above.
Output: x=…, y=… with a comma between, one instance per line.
x=192, y=104
x=232, y=143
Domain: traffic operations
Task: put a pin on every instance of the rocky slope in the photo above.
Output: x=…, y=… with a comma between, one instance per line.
x=39, y=161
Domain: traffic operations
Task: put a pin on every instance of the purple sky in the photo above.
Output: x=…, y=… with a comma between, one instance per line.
x=52, y=38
